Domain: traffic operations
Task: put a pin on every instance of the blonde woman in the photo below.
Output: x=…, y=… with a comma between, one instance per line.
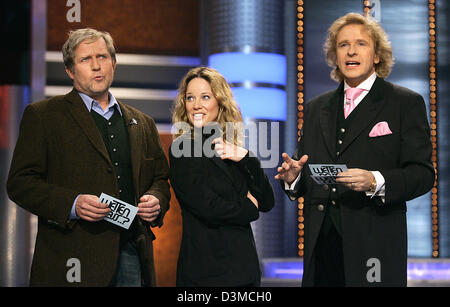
x=221, y=189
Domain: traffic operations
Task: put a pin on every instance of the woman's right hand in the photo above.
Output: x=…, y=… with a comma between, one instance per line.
x=253, y=200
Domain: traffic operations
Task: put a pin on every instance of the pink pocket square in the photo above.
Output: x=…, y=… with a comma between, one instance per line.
x=382, y=128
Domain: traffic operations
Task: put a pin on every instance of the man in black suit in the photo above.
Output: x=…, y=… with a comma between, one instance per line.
x=355, y=231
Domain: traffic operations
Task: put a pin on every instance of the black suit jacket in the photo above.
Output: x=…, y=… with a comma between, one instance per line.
x=370, y=229
x=218, y=247
x=60, y=154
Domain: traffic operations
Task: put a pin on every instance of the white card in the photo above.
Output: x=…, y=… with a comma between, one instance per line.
x=122, y=214
x=326, y=173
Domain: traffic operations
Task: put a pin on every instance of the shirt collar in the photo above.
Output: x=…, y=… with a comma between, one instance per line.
x=88, y=101
x=366, y=84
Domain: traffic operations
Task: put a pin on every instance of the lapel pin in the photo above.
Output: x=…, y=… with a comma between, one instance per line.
x=132, y=122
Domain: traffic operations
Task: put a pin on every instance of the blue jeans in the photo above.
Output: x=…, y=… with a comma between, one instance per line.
x=128, y=271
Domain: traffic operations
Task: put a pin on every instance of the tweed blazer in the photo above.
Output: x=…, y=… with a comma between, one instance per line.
x=60, y=154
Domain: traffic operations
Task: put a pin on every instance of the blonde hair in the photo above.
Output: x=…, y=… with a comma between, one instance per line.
x=228, y=108
x=76, y=37
x=383, y=46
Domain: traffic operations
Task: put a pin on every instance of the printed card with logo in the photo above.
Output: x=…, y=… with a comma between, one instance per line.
x=326, y=173
x=122, y=214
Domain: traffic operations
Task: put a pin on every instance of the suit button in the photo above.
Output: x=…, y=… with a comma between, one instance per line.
x=320, y=207
x=325, y=187
x=333, y=190
x=333, y=203
x=337, y=153
x=342, y=130
x=340, y=142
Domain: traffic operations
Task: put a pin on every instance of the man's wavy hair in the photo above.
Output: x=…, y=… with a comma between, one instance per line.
x=228, y=108
x=383, y=46
x=76, y=37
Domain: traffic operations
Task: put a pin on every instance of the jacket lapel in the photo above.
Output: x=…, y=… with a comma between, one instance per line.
x=205, y=141
x=81, y=115
x=369, y=108
x=224, y=167
x=221, y=164
x=328, y=118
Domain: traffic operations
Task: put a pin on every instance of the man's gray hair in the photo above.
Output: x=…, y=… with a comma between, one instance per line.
x=76, y=37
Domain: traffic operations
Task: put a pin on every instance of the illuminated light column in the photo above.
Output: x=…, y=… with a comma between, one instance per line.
x=433, y=126
x=246, y=45
x=300, y=103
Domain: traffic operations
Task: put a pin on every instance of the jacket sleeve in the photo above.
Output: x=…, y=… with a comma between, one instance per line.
x=27, y=185
x=258, y=182
x=415, y=175
x=189, y=179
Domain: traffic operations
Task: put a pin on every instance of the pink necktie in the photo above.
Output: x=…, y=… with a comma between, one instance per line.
x=350, y=95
